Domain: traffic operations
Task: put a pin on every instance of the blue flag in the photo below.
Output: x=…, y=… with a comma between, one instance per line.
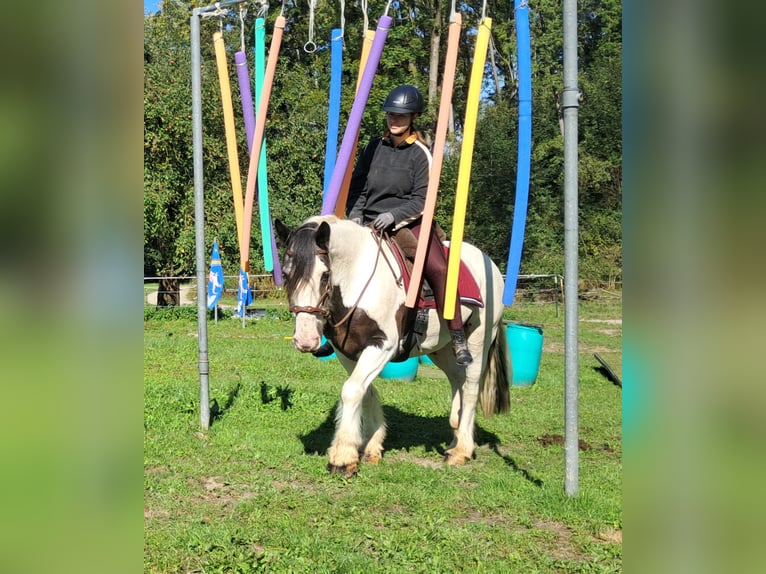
x=214, y=278
x=244, y=293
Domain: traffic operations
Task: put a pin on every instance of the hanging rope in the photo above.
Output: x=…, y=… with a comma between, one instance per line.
x=366, y=18
x=310, y=47
x=217, y=13
x=242, y=14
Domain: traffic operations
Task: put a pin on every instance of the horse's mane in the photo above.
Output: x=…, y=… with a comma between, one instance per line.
x=301, y=253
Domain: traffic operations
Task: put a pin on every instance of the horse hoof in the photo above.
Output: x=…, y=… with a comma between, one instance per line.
x=346, y=470
x=453, y=459
x=372, y=458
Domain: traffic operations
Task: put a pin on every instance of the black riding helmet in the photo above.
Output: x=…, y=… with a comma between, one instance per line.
x=404, y=99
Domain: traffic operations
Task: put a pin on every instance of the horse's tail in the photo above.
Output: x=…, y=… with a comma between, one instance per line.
x=494, y=392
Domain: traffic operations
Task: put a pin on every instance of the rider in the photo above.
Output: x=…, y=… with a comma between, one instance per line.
x=388, y=189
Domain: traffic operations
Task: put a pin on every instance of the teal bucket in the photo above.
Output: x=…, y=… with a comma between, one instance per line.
x=526, y=345
x=328, y=357
x=404, y=371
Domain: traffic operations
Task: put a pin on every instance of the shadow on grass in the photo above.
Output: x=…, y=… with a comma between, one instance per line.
x=512, y=463
x=407, y=431
x=216, y=411
x=284, y=394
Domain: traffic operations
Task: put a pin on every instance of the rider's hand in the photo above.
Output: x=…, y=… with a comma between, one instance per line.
x=383, y=220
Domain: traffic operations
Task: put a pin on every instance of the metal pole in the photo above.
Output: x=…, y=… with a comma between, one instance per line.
x=569, y=102
x=199, y=221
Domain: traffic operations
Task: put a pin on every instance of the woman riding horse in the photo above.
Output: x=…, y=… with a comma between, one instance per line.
x=388, y=189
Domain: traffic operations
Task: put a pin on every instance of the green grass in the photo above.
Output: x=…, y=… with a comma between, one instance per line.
x=252, y=494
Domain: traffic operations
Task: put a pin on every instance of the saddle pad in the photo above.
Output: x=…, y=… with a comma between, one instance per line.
x=466, y=283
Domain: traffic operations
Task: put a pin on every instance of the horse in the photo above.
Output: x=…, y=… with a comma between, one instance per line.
x=342, y=281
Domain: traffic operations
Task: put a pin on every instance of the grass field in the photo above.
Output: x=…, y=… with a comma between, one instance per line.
x=252, y=493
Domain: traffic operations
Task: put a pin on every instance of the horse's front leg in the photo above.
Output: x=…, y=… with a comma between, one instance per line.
x=355, y=395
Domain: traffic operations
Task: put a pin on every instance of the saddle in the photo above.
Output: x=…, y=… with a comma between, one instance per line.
x=403, y=244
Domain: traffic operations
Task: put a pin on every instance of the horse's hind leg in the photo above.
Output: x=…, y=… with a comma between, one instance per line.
x=465, y=393
x=463, y=411
x=373, y=426
x=463, y=446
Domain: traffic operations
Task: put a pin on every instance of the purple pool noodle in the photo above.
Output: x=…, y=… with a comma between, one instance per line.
x=240, y=59
x=355, y=118
x=277, y=272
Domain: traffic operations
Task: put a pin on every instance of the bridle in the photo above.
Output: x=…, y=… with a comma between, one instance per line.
x=319, y=309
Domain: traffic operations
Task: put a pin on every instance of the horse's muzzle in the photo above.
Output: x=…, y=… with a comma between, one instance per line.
x=304, y=347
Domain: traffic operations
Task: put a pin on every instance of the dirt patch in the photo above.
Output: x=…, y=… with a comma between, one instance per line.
x=557, y=439
x=562, y=547
x=420, y=461
x=149, y=513
x=610, y=535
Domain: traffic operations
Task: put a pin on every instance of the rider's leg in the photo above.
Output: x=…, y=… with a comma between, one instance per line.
x=435, y=272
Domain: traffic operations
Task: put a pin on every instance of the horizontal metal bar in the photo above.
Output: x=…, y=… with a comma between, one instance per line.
x=213, y=7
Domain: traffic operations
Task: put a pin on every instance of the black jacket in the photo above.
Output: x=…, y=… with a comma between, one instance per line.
x=388, y=178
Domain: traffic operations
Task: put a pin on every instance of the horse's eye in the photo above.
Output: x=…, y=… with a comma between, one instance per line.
x=325, y=276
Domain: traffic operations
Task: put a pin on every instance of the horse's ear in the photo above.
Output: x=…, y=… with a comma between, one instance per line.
x=283, y=232
x=323, y=235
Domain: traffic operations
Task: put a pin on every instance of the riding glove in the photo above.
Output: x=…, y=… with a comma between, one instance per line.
x=383, y=220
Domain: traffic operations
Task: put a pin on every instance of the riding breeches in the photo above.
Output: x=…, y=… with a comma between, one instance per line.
x=435, y=272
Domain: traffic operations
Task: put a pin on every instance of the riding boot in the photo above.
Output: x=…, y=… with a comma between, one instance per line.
x=462, y=354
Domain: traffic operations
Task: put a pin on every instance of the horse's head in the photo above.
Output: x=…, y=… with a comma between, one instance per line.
x=306, y=269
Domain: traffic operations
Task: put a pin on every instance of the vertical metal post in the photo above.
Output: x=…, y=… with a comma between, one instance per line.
x=199, y=221
x=570, y=102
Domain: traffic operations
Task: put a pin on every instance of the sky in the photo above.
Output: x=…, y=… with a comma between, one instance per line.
x=151, y=6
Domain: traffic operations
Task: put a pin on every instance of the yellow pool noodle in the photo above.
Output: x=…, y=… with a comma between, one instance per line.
x=464, y=171
x=231, y=136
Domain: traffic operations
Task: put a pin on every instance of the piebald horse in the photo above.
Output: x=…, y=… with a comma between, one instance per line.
x=343, y=282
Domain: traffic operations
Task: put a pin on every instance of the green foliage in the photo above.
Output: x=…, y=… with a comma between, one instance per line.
x=296, y=128
x=171, y=313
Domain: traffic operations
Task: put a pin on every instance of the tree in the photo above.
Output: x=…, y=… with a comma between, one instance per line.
x=414, y=53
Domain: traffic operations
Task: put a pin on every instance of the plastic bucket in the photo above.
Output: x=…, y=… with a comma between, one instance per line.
x=328, y=357
x=426, y=360
x=404, y=371
x=525, y=343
